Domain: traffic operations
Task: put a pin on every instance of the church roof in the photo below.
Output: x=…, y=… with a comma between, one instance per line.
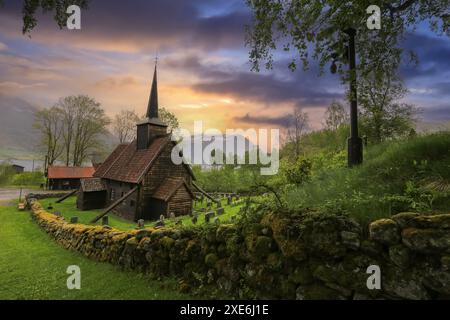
x=92, y=184
x=128, y=164
x=168, y=188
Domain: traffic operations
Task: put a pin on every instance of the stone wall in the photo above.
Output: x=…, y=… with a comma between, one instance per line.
x=303, y=256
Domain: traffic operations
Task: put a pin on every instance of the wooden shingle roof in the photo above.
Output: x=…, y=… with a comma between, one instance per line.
x=168, y=188
x=92, y=185
x=128, y=164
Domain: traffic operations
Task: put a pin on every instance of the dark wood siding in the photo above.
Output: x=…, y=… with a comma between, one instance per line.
x=181, y=202
x=91, y=200
x=127, y=209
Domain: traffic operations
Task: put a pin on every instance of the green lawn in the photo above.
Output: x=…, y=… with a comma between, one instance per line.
x=68, y=209
x=33, y=266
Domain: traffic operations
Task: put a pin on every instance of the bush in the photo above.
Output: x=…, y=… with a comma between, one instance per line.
x=28, y=179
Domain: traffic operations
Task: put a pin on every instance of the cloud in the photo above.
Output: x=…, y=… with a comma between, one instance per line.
x=263, y=120
x=3, y=47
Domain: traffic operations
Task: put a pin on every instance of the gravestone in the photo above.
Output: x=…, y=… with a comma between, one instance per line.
x=140, y=224
x=202, y=209
x=216, y=220
x=208, y=216
x=161, y=217
x=50, y=207
x=233, y=218
x=194, y=219
x=220, y=211
x=237, y=197
x=229, y=200
x=58, y=214
x=105, y=220
x=73, y=219
x=172, y=215
x=159, y=224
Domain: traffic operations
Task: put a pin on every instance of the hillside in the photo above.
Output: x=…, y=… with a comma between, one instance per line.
x=17, y=136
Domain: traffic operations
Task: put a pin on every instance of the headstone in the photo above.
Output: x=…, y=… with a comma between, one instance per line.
x=202, y=209
x=161, y=217
x=237, y=197
x=159, y=223
x=105, y=220
x=208, y=216
x=50, y=207
x=58, y=214
x=233, y=218
x=216, y=220
x=194, y=219
x=220, y=211
x=140, y=224
x=172, y=215
x=229, y=200
x=73, y=219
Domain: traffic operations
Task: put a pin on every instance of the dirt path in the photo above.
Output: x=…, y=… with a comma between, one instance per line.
x=7, y=194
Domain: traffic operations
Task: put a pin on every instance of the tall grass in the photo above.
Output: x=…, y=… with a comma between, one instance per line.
x=391, y=169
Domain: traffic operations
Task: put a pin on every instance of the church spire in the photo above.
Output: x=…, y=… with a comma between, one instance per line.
x=152, y=109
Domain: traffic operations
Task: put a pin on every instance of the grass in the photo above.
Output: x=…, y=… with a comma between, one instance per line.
x=33, y=266
x=68, y=209
x=392, y=171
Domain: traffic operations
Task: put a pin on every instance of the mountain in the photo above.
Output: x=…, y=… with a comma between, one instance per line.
x=18, y=138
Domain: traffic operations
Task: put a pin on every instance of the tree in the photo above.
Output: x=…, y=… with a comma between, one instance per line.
x=302, y=25
x=335, y=116
x=382, y=117
x=124, y=125
x=169, y=118
x=49, y=123
x=57, y=7
x=83, y=122
x=90, y=123
x=296, y=127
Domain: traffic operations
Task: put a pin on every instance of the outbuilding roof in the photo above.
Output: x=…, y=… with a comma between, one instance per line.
x=60, y=172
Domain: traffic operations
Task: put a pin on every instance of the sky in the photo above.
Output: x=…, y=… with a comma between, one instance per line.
x=203, y=67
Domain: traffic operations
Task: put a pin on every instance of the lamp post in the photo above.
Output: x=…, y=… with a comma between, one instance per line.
x=355, y=155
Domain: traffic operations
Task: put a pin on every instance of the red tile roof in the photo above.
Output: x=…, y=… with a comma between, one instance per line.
x=128, y=164
x=57, y=172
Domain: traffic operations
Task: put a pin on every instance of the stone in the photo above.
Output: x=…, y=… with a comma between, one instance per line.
x=445, y=262
x=50, y=207
x=160, y=223
x=194, y=219
x=58, y=214
x=105, y=220
x=384, y=231
x=405, y=219
x=400, y=255
x=211, y=259
x=161, y=217
x=350, y=239
x=220, y=211
x=172, y=215
x=426, y=240
x=216, y=220
x=414, y=220
x=233, y=218
x=208, y=216
x=140, y=223
x=202, y=209
x=73, y=219
x=229, y=200
x=263, y=246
